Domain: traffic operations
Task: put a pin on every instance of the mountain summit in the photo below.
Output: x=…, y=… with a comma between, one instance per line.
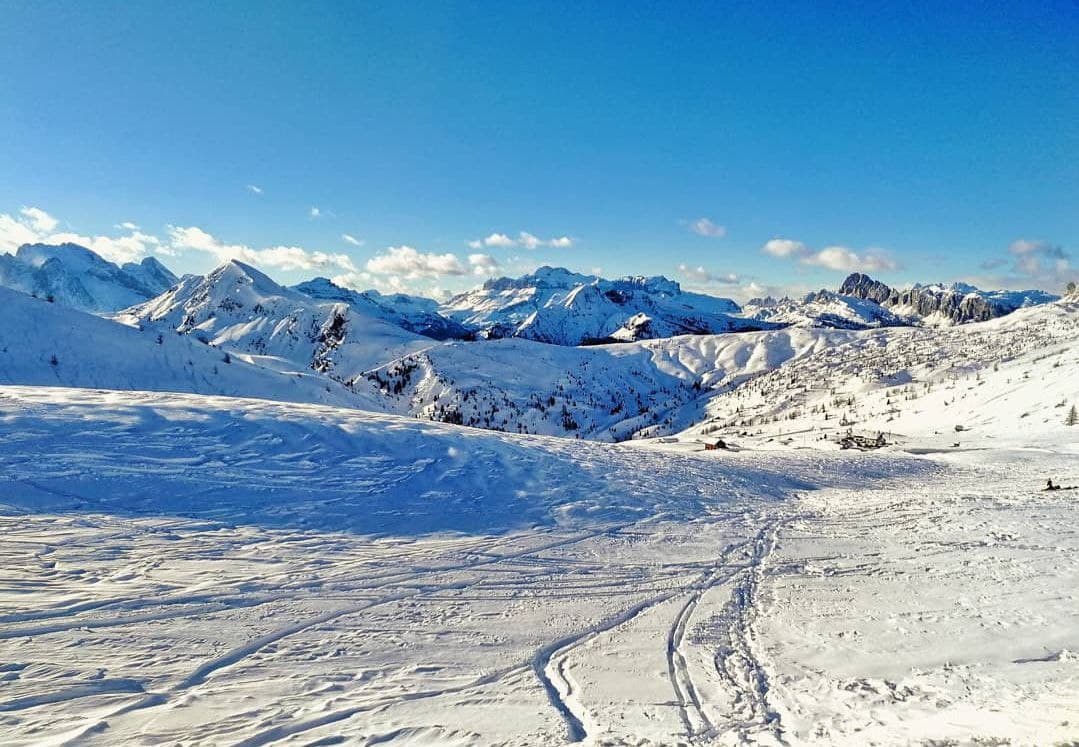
x=75, y=276
x=555, y=305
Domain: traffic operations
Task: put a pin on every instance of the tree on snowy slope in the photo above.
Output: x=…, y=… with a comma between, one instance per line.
x=1073, y=417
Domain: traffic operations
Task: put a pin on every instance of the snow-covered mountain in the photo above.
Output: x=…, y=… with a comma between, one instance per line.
x=824, y=308
x=46, y=344
x=956, y=303
x=557, y=306
x=414, y=313
x=75, y=276
x=238, y=308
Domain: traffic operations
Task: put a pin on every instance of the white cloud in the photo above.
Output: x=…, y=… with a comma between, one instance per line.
x=39, y=220
x=281, y=257
x=842, y=259
x=127, y=226
x=314, y=212
x=351, y=239
x=700, y=275
x=1040, y=260
x=119, y=249
x=483, y=264
x=411, y=264
x=528, y=241
x=524, y=239
x=705, y=227
x=254, y=189
x=838, y=258
x=14, y=233
x=785, y=248
x=37, y=226
x=499, y=240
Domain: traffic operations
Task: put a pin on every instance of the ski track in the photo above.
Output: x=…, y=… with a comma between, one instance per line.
x=535, y=618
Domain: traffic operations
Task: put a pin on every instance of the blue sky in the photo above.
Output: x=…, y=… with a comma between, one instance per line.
x=915, y=141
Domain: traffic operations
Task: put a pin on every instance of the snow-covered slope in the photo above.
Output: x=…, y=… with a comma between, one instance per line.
x=238, y=308
x=75, y=276
x=557, y=306
x=956, y=303
x=1015, y=375
x=414, y=313
x=600, y=392
x=184, y=569
x=45, y=344
x=824, y=308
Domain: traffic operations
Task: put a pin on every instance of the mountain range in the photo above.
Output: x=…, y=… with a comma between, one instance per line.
x=482, y=358
x=242, y=306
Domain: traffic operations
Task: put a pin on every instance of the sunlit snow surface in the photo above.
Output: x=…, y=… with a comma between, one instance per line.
x=202, y=570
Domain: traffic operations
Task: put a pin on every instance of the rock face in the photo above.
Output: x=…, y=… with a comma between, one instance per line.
x=414, y=313
x=863, y=286
x=75, y=276
x=957, y=303
x=554, y=305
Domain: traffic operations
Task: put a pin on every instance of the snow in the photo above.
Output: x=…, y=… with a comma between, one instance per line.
x=241, y=309
x=556, y=306
x=266, y=539
x=45, y=344
x=602, y=392
x=256, y=572
x=826, y=309
x=76, y=276
x=414, y=313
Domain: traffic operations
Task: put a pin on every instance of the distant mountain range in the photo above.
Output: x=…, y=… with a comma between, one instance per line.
x=957, y=303
x=478, y=359
x=74, y=276
x=240, y=306
x=557, y=306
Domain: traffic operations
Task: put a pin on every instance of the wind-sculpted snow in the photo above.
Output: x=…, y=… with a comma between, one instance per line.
x=275, y=464
x=206, y=570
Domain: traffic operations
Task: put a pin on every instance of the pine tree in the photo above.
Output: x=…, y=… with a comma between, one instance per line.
x=1073, y=417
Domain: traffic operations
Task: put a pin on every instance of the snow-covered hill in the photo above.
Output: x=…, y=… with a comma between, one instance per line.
x=1017, y=374
x=45, y=344
x=75, y=276
x=557, y=306
x=600, y=392
x=414, y=313
x=238, y=308
x=956, y=303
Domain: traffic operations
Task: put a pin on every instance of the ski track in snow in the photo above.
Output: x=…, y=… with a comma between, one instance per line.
x=746, y=598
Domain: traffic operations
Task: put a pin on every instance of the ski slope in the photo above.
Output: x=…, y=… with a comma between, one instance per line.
x=255, y=572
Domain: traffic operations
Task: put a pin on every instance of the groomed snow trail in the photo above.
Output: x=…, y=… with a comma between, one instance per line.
x=203, y=570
